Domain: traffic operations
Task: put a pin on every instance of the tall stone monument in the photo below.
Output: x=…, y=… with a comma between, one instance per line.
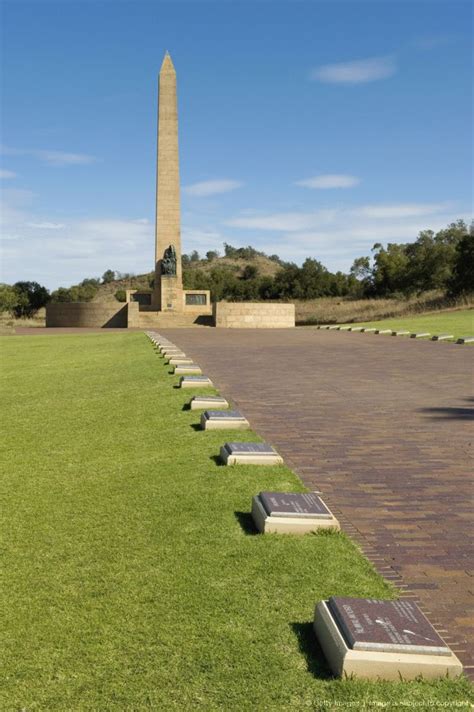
x=168, y=289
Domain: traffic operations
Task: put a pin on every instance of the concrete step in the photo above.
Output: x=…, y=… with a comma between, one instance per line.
x=163, y=320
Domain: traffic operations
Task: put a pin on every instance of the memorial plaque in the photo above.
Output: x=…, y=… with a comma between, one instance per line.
x=386, y=626
x=442, y=337
x=400, y=332
x=419, y=334
x=293, y=504
x=465, y=340
x=196, y=379
x=249, y=449
x=224, y=414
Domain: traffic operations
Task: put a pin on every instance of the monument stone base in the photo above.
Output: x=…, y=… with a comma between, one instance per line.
x=297, y=524
x=377, y=664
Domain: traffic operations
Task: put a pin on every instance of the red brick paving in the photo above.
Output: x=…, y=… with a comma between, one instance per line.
x=380, y=425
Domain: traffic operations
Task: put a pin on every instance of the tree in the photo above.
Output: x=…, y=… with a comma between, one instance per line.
x=194, y=257
x=462, y=279
x=108, y=276
x=250, y=272
x=9, y=298
x=229, y=251
x=212, y=255
x=31, y=297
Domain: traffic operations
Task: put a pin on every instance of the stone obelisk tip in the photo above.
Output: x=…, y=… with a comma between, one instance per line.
x=167, y=63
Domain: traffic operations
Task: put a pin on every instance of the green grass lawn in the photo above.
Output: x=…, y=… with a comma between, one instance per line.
x=133, y=580
x=458, y=323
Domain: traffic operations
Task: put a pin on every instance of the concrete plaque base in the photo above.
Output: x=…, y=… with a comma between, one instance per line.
x=442, y=337
x=383, y=331
x=189, y=369
x=167, y=353
x=179, y=361
x=204, y=402
x=465, y=340
x=195, y=382
x=291, y=523
x=401, y=332
x=419, y=334
x=372, y=665
x=223, y=420
x=249, y=454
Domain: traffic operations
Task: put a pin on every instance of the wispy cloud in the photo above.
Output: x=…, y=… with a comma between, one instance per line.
x=212, y=187
x=337, y=236
x=329, y=180
x=45, y=225
x=400, y=210
x=359, y=71
x=299, y=221
x=61, y=158
x=7, y=174
x=51, y=157
x=61, y=253
x=287, y=222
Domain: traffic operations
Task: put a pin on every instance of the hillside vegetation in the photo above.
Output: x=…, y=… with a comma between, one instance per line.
x=435, y=271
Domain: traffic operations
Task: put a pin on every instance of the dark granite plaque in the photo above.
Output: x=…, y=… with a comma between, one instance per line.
x=224, y=414
x=196, y=378
x=386, y=626
x=293, y=504
x=249, y=449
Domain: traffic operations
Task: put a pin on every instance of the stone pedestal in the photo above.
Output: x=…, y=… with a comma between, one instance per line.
x=170, y=294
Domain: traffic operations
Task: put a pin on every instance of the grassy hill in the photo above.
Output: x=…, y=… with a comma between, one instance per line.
x=265, y=266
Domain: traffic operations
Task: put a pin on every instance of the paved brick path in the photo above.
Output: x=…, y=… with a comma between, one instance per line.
x=381, y=426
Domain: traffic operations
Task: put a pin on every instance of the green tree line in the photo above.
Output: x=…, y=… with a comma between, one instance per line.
x=442, y=261
x=434, y=261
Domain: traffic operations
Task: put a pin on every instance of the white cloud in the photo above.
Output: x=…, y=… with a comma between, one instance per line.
x=7, y=174
x=295, y=222
x=61, y=158
x=212, y=187
x=337, y=236
x=400, y=210
x=63, y=253
x=45, y=225
x=51, y=157
x=358, y=71
x=287, y=222
x=330, y=180
x=201, y=240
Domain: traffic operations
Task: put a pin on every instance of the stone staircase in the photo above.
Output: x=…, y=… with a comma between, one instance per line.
x=169, y=320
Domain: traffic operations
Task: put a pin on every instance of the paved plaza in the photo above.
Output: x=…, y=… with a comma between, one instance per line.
x=383, y=427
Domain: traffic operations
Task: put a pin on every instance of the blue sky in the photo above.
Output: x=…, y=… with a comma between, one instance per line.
x=306, y=128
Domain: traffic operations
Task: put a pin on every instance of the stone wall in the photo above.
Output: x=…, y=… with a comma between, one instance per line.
x=254, y=315
x=87, y=314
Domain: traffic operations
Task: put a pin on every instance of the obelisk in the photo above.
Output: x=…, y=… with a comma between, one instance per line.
x=168, y=289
